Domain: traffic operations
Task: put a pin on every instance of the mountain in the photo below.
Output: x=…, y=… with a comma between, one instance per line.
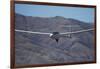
x=41, y=49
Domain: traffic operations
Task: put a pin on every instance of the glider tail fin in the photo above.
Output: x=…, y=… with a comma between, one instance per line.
x=57, y=40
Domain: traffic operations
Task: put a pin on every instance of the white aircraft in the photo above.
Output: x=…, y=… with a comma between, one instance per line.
x=54, y=35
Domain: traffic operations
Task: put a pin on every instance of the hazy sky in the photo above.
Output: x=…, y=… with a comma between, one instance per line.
x=82, y=14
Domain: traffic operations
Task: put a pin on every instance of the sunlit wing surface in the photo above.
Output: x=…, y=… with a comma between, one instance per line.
x=77, y=32
x=32, y=32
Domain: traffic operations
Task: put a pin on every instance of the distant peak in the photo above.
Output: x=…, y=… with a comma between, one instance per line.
x=59, y=17
x=75, y=20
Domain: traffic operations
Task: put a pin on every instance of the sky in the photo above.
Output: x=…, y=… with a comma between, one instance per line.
x=82, y=14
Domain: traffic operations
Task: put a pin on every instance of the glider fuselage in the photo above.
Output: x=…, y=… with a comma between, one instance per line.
x=56, y=36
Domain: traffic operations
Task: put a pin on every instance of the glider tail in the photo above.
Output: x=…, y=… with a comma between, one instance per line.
x=57, y=40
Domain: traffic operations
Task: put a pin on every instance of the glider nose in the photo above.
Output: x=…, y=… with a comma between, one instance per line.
x=51, y=35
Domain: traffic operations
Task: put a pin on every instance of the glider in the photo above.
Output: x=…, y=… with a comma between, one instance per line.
x=54, y=35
